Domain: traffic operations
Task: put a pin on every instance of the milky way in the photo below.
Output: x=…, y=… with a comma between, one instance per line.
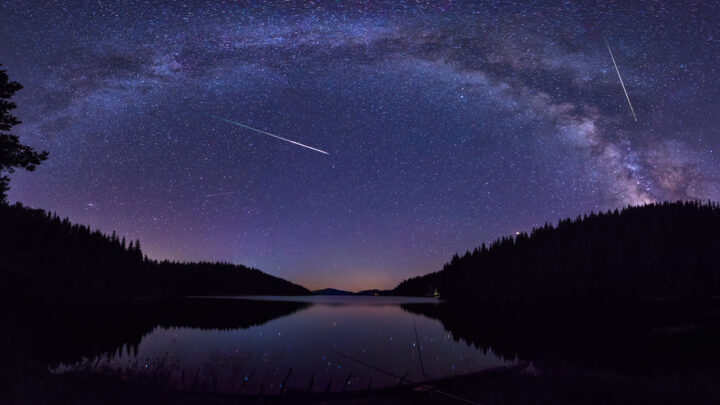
x=447, y=123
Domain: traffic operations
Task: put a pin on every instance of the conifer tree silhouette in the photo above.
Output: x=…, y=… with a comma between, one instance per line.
x=13, y=154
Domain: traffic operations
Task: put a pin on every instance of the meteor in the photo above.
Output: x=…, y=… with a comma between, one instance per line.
x=621, y=80
x=219, y=194
x=268, y=133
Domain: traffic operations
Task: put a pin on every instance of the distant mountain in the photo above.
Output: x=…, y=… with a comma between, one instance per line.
x=374, y=292
x=332, y=291
x=41, y=254
x=644, y=254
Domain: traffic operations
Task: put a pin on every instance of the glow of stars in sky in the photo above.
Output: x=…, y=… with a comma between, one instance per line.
x=447, y=123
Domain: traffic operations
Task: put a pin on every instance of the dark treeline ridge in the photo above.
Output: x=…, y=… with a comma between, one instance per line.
x=334, y=291
x=641, y=254
x=206, y=278
x=42, y=254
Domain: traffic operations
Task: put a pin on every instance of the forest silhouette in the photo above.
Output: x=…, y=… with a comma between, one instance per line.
x=666, y=252
x=44, y=255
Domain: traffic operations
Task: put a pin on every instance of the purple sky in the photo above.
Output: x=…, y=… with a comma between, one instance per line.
x=447, y=123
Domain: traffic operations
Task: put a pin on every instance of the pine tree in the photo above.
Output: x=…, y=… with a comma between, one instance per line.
x=13, y=154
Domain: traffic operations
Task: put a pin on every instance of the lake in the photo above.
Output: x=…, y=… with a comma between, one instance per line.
x=273, y=344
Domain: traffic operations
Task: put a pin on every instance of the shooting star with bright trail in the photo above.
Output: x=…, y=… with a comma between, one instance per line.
x=268, y=133
x=219, y=194
x=621, y=80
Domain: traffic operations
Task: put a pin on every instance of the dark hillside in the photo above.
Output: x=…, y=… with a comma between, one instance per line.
x=644, y=254
x=332, y=291
x=41, y=254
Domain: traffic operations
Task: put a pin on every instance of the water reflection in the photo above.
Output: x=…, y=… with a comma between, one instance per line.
x=309, y=343
x=249, y=346
x=55, y=333
x=640, y=342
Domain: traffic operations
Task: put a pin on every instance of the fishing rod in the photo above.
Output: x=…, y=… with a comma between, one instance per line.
x=433, y=389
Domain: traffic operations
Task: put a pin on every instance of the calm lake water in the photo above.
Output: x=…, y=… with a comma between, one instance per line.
x=279, y=343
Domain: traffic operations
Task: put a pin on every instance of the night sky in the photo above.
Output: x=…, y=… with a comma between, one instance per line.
x=447, y=124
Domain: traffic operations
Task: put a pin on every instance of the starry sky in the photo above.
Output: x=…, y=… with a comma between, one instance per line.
x=447, y=123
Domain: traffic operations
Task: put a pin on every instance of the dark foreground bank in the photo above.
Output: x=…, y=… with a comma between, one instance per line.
x=591, y=359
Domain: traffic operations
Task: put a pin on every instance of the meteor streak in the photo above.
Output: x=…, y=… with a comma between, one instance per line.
x=268, y=133
x=219, y=194
x=621, y=80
